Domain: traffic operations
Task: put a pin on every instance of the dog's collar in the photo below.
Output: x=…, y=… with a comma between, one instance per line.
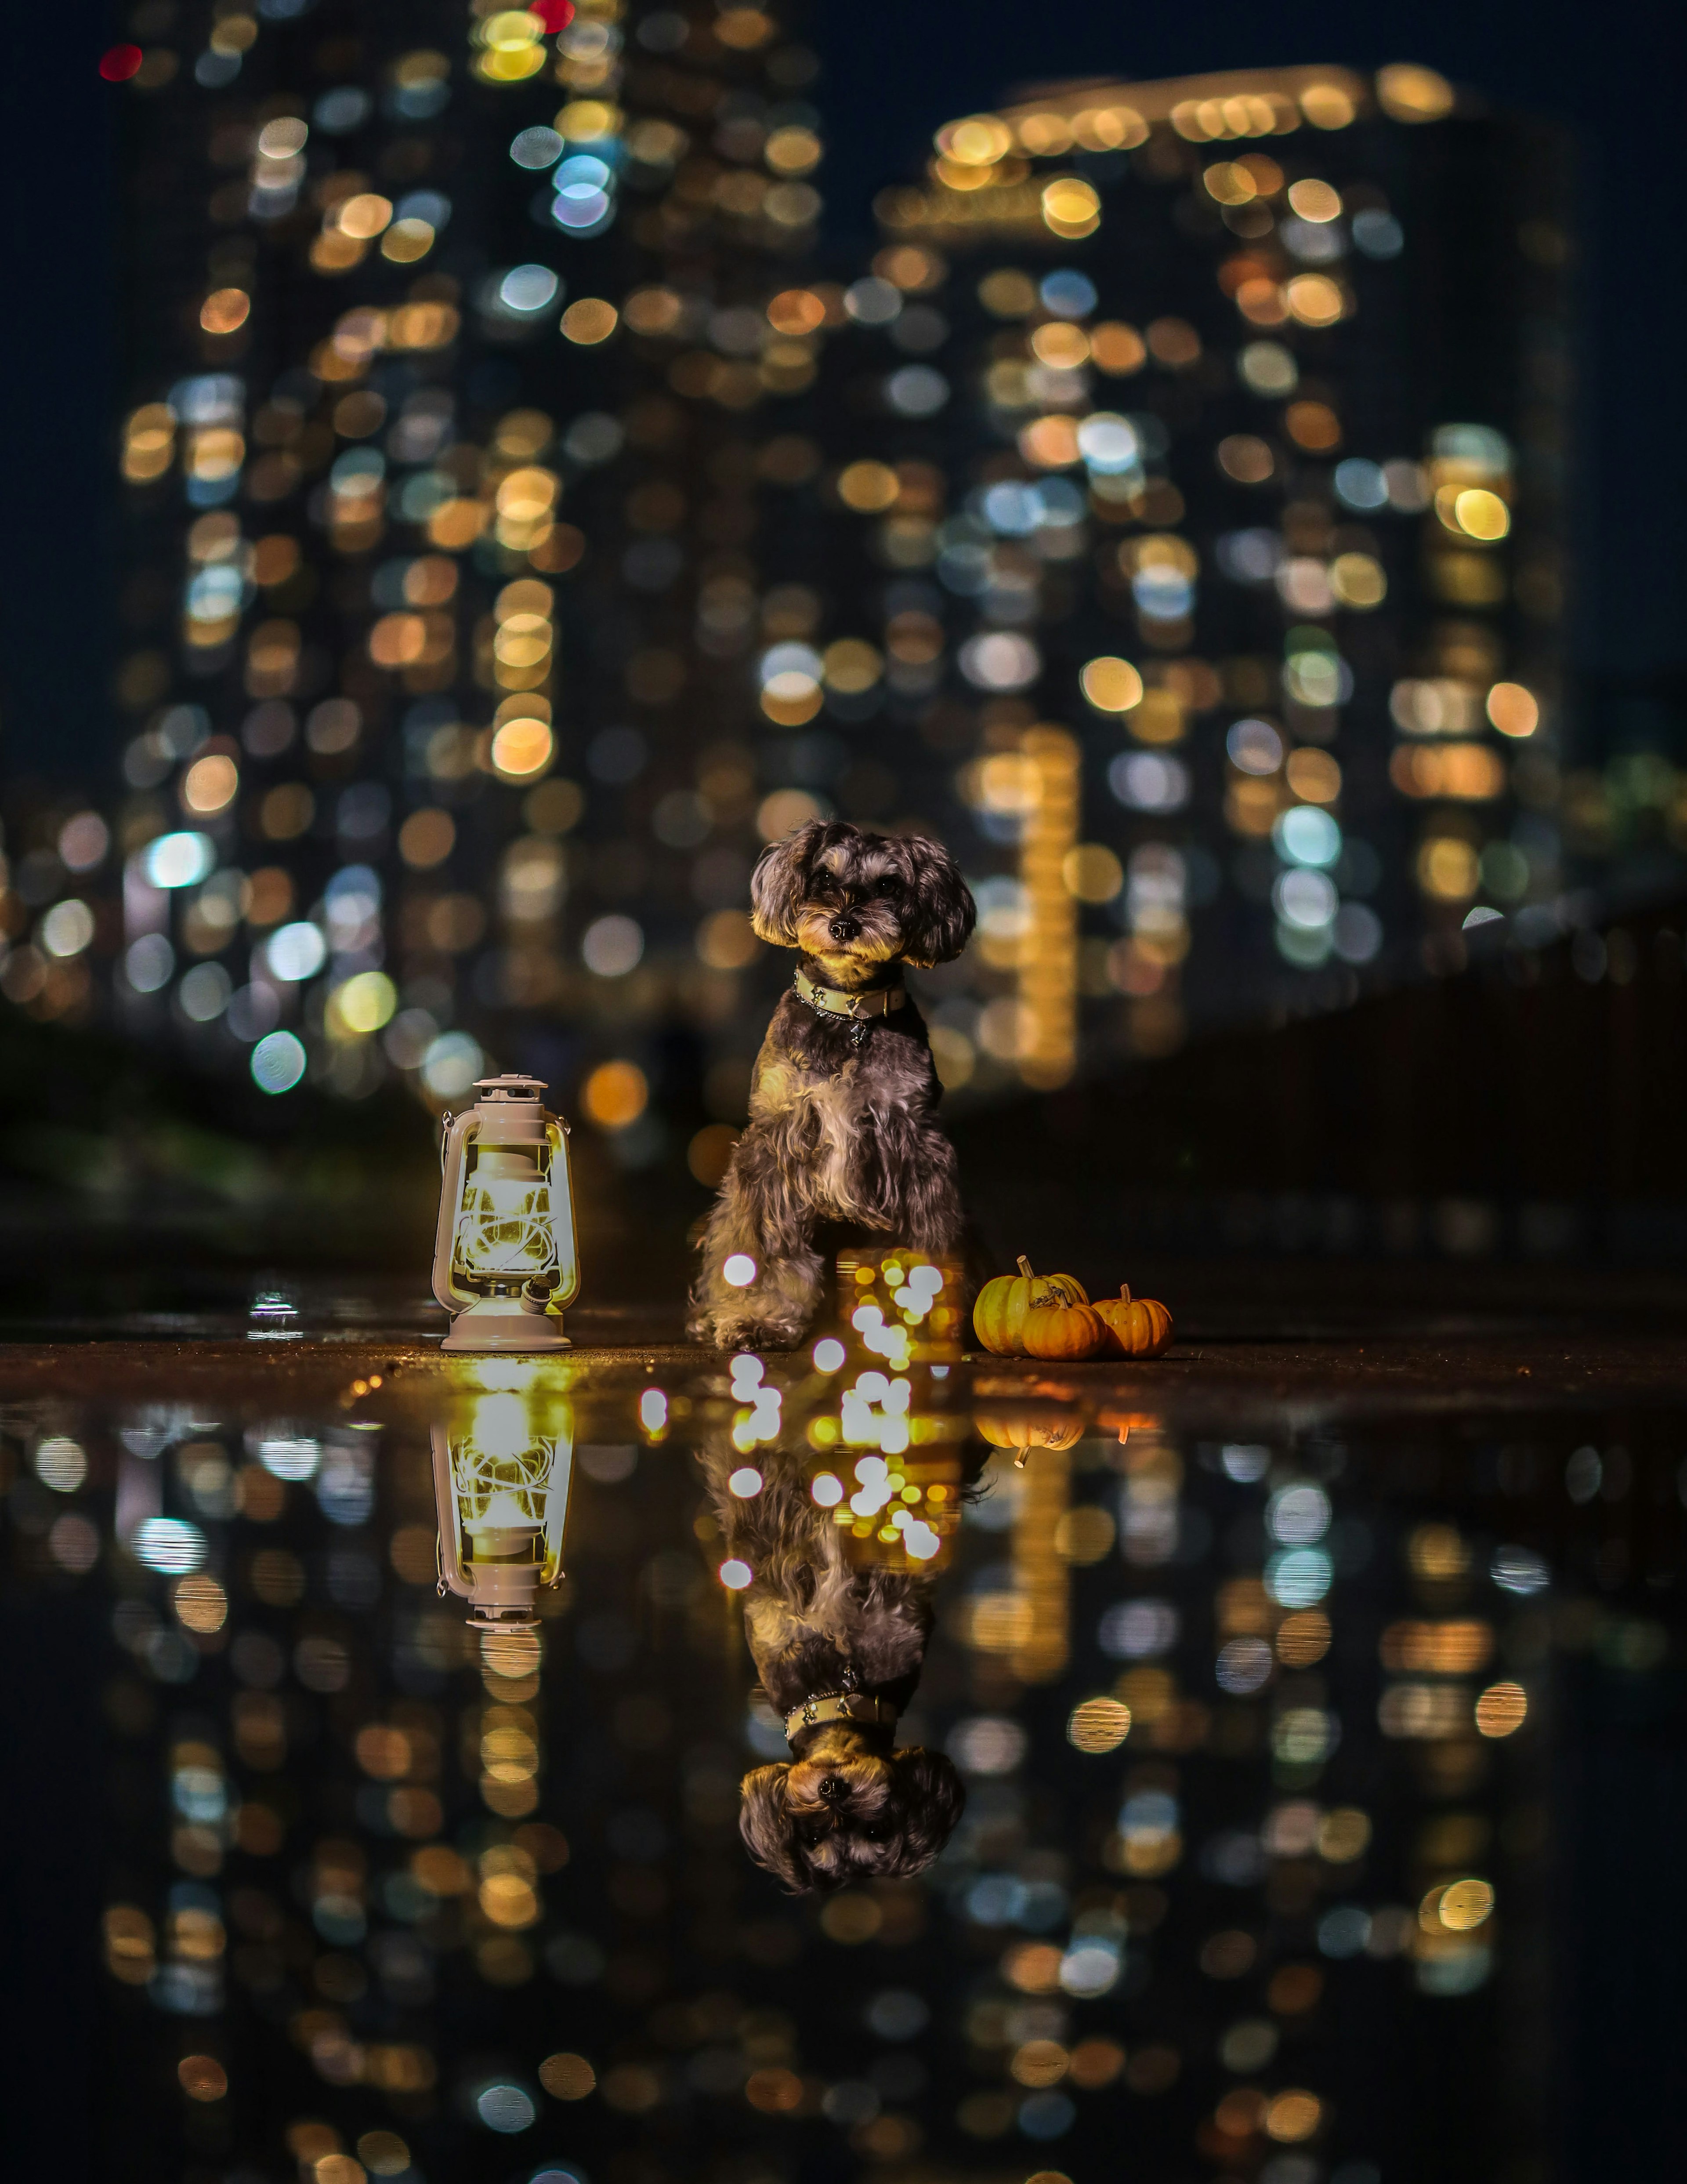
x=837, y=1706
x=834, y=1002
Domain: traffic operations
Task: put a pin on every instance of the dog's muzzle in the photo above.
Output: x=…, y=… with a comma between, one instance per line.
x=844, y=928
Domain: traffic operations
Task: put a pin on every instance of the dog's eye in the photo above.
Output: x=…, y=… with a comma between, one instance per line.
x=890, y=884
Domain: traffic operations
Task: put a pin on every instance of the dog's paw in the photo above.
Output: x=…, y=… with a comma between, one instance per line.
x=752, y=1334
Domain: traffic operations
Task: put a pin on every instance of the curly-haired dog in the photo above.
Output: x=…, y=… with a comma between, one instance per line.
x=841, y=1112
x=846, y=1646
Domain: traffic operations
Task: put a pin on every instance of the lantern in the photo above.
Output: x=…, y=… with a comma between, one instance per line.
x=504, y=1262
x=500, y=1490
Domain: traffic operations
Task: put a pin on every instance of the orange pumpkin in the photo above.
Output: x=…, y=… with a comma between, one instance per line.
x=1061, y=1333
x=1136, y=1327
x=1016, y=1428
x=1022, y=1430
x=999, y=1314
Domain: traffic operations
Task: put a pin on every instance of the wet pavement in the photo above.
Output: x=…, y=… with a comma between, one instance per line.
x=1316, y=1695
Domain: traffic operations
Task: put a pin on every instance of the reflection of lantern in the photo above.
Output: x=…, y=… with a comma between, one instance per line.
x=500, y=1491
x=504, y=1262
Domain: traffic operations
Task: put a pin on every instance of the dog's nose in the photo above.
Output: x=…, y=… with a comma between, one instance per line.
x=845, y=929
x=834, y=1789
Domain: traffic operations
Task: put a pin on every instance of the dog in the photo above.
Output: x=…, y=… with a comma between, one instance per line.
x=848, y=1805
x=842, y=1124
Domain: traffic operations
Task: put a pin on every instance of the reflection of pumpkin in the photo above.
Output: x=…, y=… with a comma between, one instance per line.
x=1061, y=1333
x=1021, y=1430
x=999, y=1316
x=1136, y=1327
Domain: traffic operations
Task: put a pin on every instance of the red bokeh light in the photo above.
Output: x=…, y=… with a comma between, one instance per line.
x=555, y=15
x=122, y=62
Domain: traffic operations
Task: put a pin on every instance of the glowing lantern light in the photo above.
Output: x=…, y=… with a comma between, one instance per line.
x=501, y=1495
x=505, y=1262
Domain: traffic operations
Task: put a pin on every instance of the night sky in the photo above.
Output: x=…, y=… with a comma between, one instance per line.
x=1610, y=75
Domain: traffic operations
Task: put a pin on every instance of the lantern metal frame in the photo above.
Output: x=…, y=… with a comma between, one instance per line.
x=503, y=1581
x=520, y=1305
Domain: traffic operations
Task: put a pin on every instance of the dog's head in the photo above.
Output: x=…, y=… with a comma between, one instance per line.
x=859, y=1814
x=852, y=899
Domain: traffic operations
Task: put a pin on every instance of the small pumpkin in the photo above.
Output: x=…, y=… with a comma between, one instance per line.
x=1016, y=1428
x=999, y=1314
x=1062, y=1333
x=1136, y=1327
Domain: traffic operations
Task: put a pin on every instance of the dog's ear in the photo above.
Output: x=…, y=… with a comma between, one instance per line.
x=780, y=883
x=939, y=911
x=766, y=1826
x=934, y=1796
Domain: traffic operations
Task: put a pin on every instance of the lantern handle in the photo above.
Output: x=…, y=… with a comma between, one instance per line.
x=460, y=1130
x=447, y=1557
x=447, y=1118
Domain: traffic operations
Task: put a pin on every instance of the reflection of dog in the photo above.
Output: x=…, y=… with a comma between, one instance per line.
x=847, y=1804
x=841, y=1122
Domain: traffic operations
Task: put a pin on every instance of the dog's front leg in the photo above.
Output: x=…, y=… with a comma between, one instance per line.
x=908, y=1179
x=764, y=1215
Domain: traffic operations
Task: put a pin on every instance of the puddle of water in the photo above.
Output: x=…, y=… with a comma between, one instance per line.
x=1266, y=1799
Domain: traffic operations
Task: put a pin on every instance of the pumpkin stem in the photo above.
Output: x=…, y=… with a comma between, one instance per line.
x=1019, y=1461
x=1124, y=1293
x=1025, y=1268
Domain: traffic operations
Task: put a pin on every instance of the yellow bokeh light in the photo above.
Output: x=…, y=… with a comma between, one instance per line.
x=1117, y=348
x=1327, y=106
x=1315, y=201
x=1502, y=1709
x=615, y=1094
x=1099, y=1724
x=1112, y=685
x=366, y=1001
x=1061, y=344
x=1448, y=868
x=792, y=151
x=584, y=121
x=200, y=1604
x=1358, y=580
x=406, y=241
x=202, y=2077
x=589, y=322
x=1513, y=709
x=1314, y=299
x=1070, y=207
x=1228, y=182
x=1407, y=92
x=209, y=784
x=1458, y=1908
x=224, y=310
x=1314, y=776
x=1050, y=444
x=523, y=747
x=1292, y=2116
x=567, y=2077
x=364, y=216
x=868, y=488
x=795, y=312
x=977, y=142
x=1091, y=872
x=1478, y=512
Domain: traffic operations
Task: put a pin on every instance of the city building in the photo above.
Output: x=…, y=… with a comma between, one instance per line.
x=521, y=531
x=1219, y=529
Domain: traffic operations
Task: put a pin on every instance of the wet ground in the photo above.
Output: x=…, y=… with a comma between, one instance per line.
x=1316, y=1692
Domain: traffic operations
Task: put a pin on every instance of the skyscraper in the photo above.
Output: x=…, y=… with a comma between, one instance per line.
x=520, y=532
x=1232, y=482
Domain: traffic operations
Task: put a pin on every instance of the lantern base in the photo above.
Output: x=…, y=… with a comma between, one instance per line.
x=497, y=1324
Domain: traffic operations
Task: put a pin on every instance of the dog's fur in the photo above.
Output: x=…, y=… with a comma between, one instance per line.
x=848, y=1805
x=838, y=1131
